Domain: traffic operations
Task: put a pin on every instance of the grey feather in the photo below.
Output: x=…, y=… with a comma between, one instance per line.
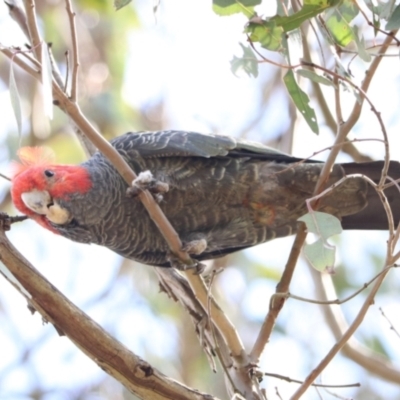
x=229, y=192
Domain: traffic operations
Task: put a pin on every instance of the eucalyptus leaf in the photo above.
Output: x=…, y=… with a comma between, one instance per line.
x=362, y=52
x=381, y=10
x=338, y=22
x=394, y=20
x=229, y=7
x=248, y=63
x=306, y=73
x=309, y=10
x=322, y=224
x=386, y=9
x=320, y=256
x=267, y=33
x=301, y=101
x=118, y=4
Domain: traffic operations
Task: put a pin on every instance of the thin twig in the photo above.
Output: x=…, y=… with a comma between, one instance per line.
x=17, y=13
x=338, y=104
x=291, y=380
x=336, y=301
x=390, y=323
x=5, y=177
x=276, y=306
x=376, y=28
x=315, y=153
x=54, y=67
x=211, y=325
x=225, y=326
x=354, y=350
x=15, y=52
x=395, y=237
x=33, y=30
x=345, y=127
x=67, y=68
x=344, y=339
x=349, y=147
x=278, y=395
x=6, y=220
x=22, y=64
x=375, y=46
x=75, y=50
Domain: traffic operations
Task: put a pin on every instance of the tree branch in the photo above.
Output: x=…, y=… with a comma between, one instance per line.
x=344, y=339
x=33, y=30
x=75, y=51
x=137, y=375
x=353, y=349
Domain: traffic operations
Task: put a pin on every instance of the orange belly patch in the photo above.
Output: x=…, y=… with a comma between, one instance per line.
x=264, y=214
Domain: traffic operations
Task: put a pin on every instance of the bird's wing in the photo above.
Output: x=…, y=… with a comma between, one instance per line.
x=192, y=144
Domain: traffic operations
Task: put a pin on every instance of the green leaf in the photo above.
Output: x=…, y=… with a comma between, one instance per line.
x=306, y=73
x=267, y=34
x=394, y=20
x=338, y=22
x=229, y=7
x=15, y=100
x=342, y=71
x=360, y=43
x=321, y=254
x=301, y=101
x=309, y=10
x=118, y=4
x=381, y=10
x=322, y=224
x=377, y=23
x=247, y=63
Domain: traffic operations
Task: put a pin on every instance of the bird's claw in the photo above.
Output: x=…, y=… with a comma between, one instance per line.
x=178, y=264
x=195, y=246
x=146, y=181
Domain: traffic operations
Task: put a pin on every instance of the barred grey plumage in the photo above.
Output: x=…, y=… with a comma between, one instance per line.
x=232, y=193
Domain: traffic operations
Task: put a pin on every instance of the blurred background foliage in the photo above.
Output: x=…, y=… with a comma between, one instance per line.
x=146, y=71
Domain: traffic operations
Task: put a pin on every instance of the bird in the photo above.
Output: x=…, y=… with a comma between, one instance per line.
x=221, y=194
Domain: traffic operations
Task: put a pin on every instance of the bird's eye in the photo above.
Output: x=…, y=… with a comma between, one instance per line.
x=49, y=173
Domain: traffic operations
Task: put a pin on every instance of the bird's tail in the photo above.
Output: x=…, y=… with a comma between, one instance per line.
x=373, y=216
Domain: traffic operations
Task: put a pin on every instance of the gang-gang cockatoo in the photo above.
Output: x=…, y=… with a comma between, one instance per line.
x=224, y=194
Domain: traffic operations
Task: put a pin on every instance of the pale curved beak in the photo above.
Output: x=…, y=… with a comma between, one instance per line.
x=41, y=202
x=37, y=201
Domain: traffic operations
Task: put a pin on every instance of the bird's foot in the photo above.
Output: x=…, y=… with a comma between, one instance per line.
x=146, y=181
x=178, y=264
x=195, y=246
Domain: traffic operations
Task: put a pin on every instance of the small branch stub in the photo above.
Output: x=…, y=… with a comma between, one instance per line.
x=6, y=220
